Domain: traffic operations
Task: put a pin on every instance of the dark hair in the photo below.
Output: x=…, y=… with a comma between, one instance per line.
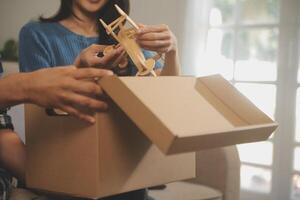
x=108, y=13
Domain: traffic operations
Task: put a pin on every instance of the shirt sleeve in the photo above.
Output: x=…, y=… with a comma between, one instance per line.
x=150, y=54
x=33, y=51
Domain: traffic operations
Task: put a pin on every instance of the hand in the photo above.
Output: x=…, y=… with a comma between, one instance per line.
x=157, y=38
x=66, y=88
x=89, y=57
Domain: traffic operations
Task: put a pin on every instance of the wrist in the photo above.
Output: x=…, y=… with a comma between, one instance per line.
x=25, y=88
x=16, y=93
x=172, y=53
x=174, y=48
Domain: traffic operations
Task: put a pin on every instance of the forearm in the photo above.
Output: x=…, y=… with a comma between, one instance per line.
x=12, y=154
x=172, y=64
x=13, y=90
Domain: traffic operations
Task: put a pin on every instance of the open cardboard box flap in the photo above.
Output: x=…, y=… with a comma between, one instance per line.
x=185, y=114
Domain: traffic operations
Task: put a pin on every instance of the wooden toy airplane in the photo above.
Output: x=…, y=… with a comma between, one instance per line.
x=125, y=37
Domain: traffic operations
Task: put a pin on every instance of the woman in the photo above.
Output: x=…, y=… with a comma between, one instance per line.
x=58, y=40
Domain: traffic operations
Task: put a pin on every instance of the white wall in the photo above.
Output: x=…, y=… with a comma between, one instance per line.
x=15, y=13
x=170, y=12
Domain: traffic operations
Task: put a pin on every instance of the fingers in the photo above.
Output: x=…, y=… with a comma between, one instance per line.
x=96, y=48
x=160, y=46
x=105, y=60
x=86, y=87
x=119, y=59
x=152, y=28
x=78, y=114
x=157, y=44
x=157, y=38
x=154, y=36
x=93, y=60
x=111, y=57
x=85, y=102
x=87, y=73
x=140, y=25
x=89, y=57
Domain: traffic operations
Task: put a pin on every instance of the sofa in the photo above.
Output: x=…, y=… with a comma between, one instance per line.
x=217, y=178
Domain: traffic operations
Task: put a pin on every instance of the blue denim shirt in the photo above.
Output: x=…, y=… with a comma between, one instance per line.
x=43, y=45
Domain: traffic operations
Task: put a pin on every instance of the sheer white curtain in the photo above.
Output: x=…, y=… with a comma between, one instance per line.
x=195, y=29
x=202, y=49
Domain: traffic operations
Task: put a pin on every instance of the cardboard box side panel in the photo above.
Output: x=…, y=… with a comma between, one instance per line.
x=210, y=141
x=129, y=161
x=149, y=124
x=223, y=109
x=62, y=154
x=236, y=101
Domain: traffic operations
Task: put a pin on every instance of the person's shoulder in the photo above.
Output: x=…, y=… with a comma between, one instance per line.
x=32, y=25
x=37, y=27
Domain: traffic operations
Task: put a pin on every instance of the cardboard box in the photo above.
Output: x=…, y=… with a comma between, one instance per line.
x=176, y=114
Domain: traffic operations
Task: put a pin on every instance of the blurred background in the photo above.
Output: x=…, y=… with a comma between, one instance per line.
x=252, y=43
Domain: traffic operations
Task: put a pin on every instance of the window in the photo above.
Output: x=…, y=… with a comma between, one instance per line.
x=254, y=44
x=243, y=36
x=296, y=163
